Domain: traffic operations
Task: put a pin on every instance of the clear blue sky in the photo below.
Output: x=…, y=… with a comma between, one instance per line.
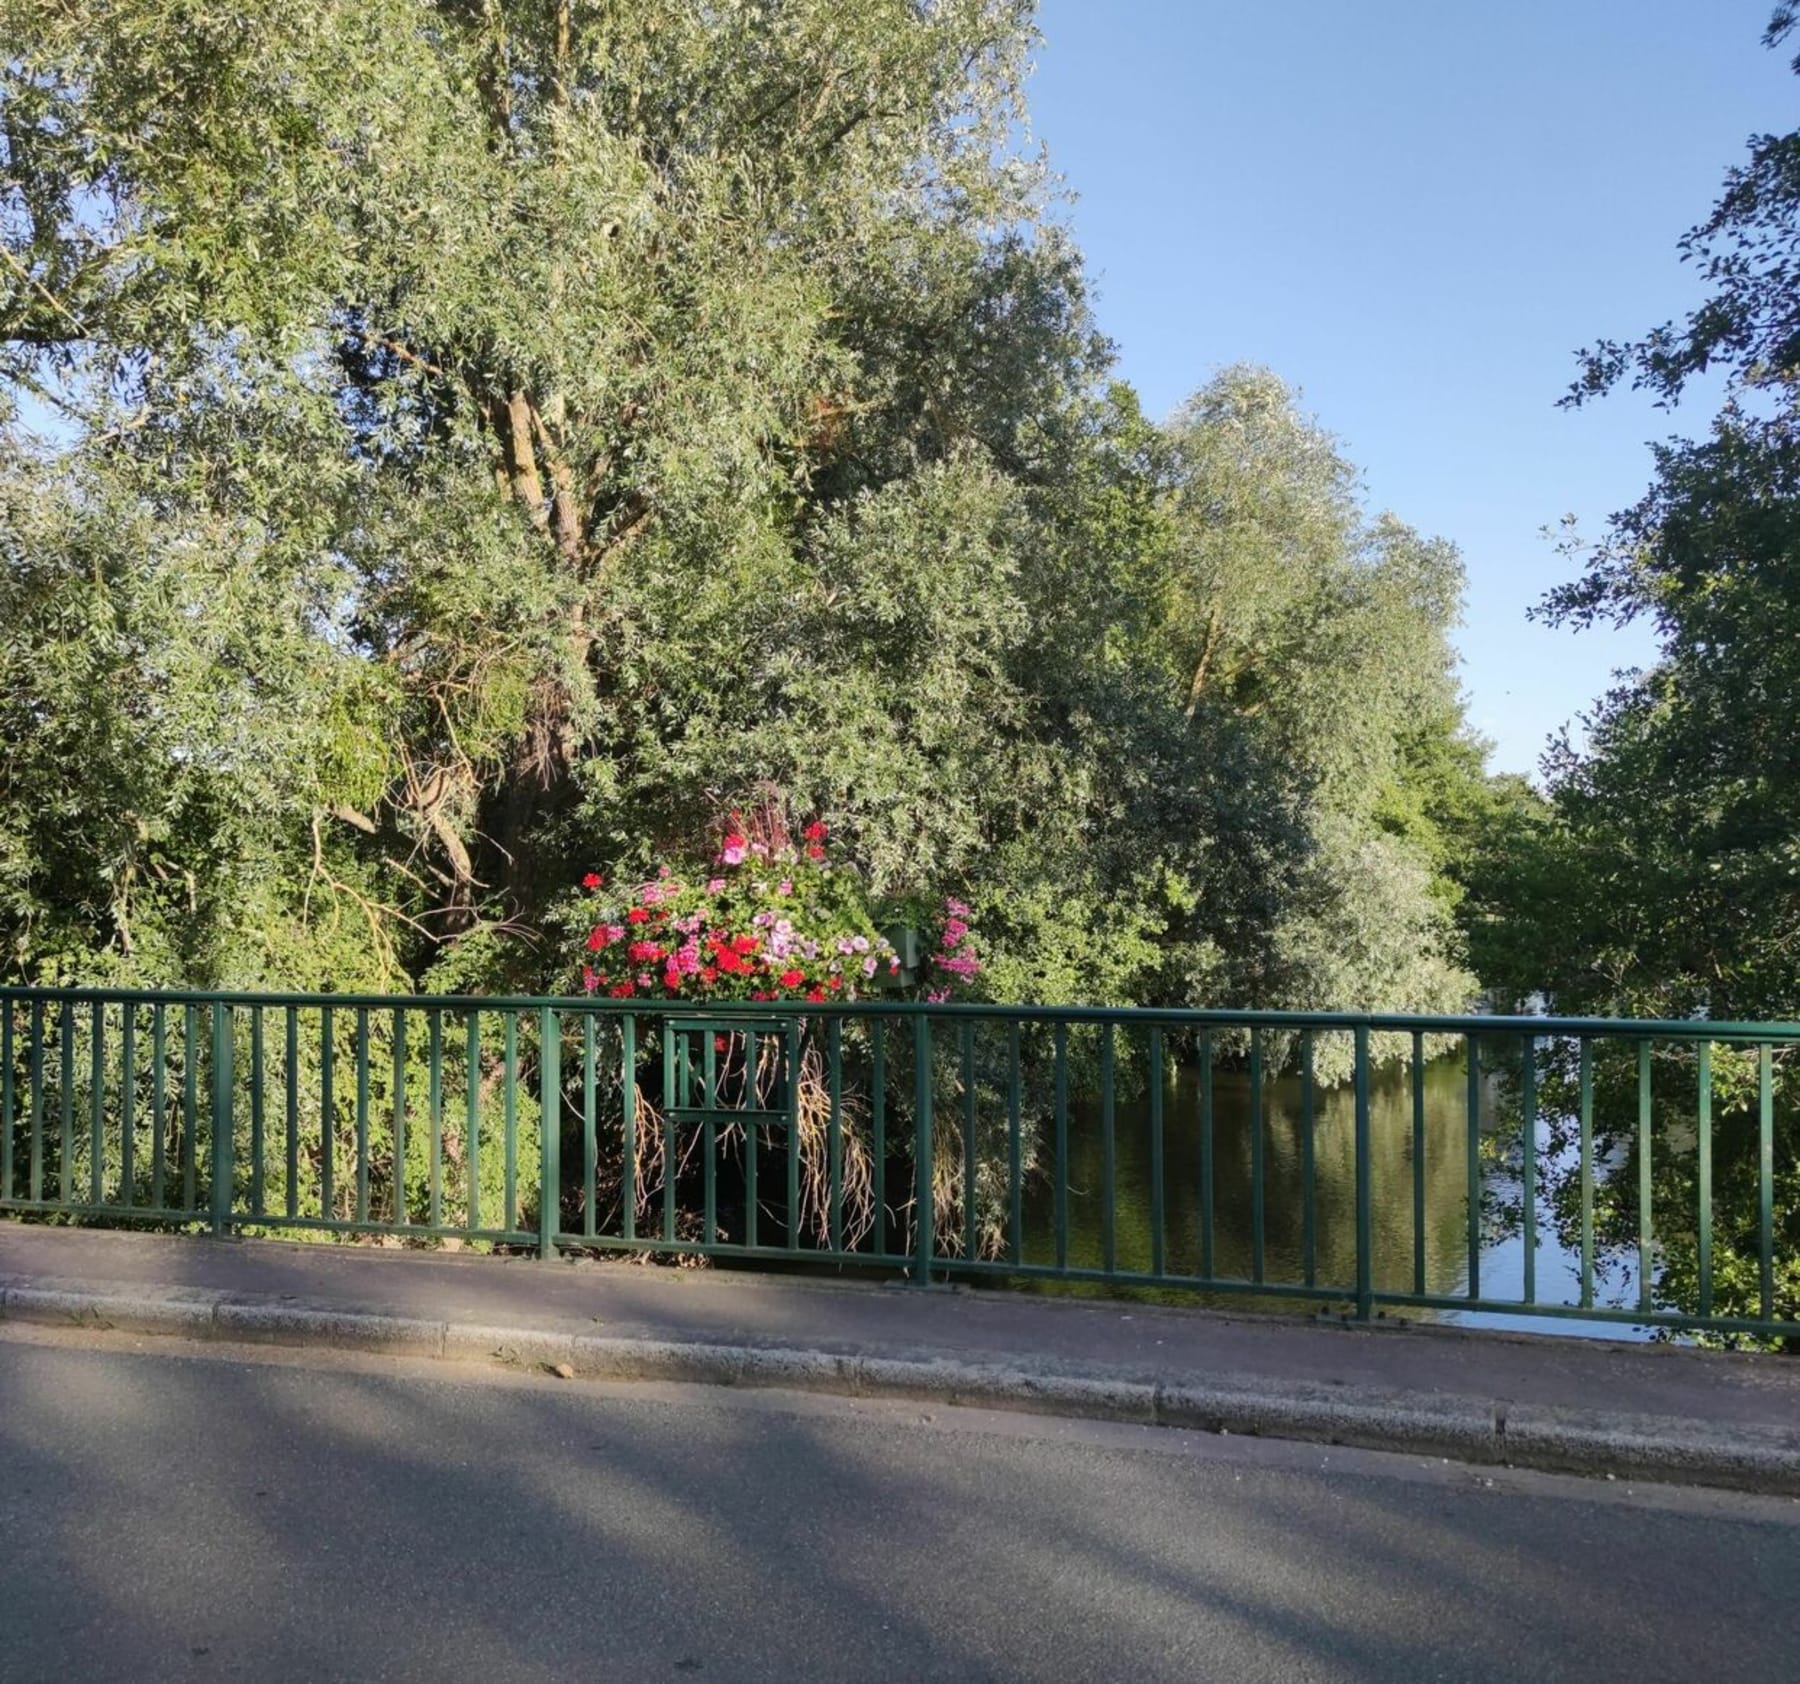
x=1415, y=211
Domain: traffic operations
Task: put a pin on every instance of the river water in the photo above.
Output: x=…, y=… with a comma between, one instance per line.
x=1391, y=1157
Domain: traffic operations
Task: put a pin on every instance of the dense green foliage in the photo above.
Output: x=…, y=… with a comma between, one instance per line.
x=447, y=445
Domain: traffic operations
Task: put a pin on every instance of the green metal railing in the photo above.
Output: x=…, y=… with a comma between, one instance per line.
x=937, y=1140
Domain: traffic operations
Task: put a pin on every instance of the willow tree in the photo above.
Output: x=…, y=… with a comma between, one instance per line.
x=485, y=335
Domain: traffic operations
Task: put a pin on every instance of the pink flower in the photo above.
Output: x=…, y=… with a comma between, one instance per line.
x=734, y=851
x=784, y=887
x=715, y=886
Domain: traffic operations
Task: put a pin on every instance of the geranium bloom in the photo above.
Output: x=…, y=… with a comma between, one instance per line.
x=588, y=980
x=814, y=851
x=745, y=945
x=792, y=979
x=715, y=885
x=593, y=880
x=596, y=939
x=734, y=851
x=637, y=915
x=644, y=951
x=709, y=973
x=816, y=995
x=815, y=832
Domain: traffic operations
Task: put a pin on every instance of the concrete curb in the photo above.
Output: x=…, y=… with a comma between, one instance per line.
x=1466, y=1429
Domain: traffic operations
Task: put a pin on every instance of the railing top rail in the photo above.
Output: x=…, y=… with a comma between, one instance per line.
x=1196, y=1017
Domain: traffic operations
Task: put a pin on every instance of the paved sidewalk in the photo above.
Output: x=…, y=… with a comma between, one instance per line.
x=1631, y=1410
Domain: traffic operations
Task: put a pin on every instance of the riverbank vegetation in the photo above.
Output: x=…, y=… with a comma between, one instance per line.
x=448, y=448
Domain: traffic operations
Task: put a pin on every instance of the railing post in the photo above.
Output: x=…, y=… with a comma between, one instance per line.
x=549, y=1131
x=221, y=1118
x=923, y=1168
x=1365, y=1268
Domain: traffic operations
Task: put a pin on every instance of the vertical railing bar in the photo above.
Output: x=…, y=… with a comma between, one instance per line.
x=190, y=1107
x=327, y=1113
x=223, y=1112
x=1158, y=1215
x=834, y=1055
x=257, y=1073
x=549, y=1131
x=1585, y=1169
x=924, y=1167
x=672, y=1096
x=878, y=1127
x=1645, y=1214
x=1015, y=1169
x=291, y=1071
x=753, y=1128
x=1109, y=1243
x=1765, y=1107
x=97, y=1104
x=1060, y=1042
x=1704, y=1176
x=1309, y=1178
x=1472, y=1108
x=35, y=1178
x=1528, y=1162
x=792, y=1059
x=434, y=1116
x=159, y=1104
x=362, y=1114
x=1258, y=1214
x=6, y=1100
x=509, y=1087
x=1418, y=1161
x=628, y=1196
x=127, y=1104
x=1365, y=1258
x=401, y=1216
x=710, y=1139
x=472, y=1117
x=590, y=1116
x=65, y=1179
x=970, y=1236
x=1208, y=1258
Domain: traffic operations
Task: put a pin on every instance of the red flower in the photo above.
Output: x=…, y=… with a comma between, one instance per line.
x=672, y=978
x=593, y=880
x=792, y=979
x=814, y=851
x=596, y=939
x=762, y=994
x=834, y=982
x=589, y=981
x=721, y=1043
x=815, y=832
x=638, y=915
x=744, y=946
x=730, y=963
x=642, y=952
x=709, y=973
x=621, y=990
x=816, y=995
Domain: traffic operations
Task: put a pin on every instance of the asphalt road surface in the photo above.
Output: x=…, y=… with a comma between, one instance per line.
x=173, y=1512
